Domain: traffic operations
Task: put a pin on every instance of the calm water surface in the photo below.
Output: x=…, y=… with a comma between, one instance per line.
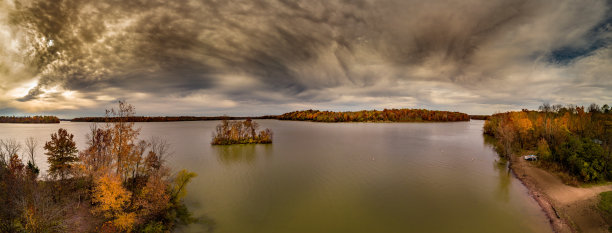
x=343, y=177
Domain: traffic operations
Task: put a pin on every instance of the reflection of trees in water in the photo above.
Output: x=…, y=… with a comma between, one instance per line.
x=501, y=166
x=505, y=178
x=244, y=153
x=207, y=223
x=493, y=143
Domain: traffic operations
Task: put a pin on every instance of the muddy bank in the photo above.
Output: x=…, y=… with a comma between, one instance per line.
x=569, y=209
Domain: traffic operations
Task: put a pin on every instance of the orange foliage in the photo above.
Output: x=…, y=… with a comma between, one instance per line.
x=153, y=198
x=395, y=115
x=568, y=137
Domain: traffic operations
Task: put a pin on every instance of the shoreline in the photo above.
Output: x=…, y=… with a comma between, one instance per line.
x=558, y=224
x=568, y=209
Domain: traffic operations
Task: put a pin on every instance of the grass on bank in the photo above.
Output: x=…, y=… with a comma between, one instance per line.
x=605, y=205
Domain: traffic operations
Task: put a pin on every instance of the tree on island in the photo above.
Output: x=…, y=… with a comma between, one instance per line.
x=61, y=152
x=240, y=132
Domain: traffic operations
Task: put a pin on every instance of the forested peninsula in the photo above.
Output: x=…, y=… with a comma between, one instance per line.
x=572, y=140
x=119, y=183
x=386, y=115
x=573, y=144
x=29, y=119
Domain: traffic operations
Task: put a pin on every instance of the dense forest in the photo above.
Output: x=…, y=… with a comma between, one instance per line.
x=387, y=115
x=569, y=139
x=29, y=119
x=118, y=184
x=164, y=118
x=240, y=132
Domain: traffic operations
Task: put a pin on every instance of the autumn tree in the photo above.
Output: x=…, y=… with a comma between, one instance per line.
x=12, y=189
x=507, y=135
x=61, y=153
x=124, y=135
x=565, y=137
x=523, y=126
x=16, y=168
x=240, y=132
x=111, y=200
x=98, y=158
x=544, y=150
x=25, y=204
x=154, y=199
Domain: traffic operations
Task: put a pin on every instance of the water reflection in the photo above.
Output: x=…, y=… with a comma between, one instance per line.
x=505, y=179
x=500, y=165
x=245, y=153
x=203, y=222
x=321, y=178
x=490, y=141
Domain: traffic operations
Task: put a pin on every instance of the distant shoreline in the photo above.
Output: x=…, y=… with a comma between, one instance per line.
x=165, y=118
x=386, y=115
x=369, y=116
x=29, y=119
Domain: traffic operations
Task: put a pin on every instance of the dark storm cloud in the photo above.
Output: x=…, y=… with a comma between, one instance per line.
x=596, y=38
x=285, y=52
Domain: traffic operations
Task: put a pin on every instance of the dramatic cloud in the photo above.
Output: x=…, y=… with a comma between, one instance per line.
x=271, y=56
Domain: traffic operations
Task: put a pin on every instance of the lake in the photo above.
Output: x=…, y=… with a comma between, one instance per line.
x=339, y=177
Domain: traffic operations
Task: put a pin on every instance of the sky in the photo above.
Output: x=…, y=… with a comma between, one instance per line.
x=244, y=58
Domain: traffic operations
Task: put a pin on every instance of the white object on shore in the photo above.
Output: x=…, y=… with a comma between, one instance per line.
x=530, y=157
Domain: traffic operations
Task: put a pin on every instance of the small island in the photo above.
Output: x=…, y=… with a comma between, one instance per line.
x=240, y=132
x=386, y=115
x=30, y=119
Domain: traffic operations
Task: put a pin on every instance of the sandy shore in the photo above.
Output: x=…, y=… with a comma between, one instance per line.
x=569, y=209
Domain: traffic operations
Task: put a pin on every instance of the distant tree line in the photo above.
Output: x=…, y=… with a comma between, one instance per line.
x=386, y=115
x=479, y=117
x=240, y=132
x=121, y=182
x=573, y=139
x=164, y=118
x=29, y=119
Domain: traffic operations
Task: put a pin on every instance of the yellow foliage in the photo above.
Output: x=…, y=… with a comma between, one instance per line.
x=31, y=222
x=181, y=180
x=125, y=221
x=109, y=196
x=563, y=122
x=521, y=121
